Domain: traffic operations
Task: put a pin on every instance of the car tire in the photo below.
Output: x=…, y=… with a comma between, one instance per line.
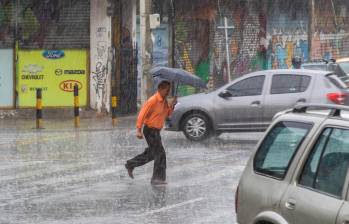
x=196, y=127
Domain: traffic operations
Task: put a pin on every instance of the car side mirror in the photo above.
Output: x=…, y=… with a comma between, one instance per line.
x=225, y=94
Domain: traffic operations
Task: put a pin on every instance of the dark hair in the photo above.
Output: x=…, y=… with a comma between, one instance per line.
x=164, y=84
x=297, y=62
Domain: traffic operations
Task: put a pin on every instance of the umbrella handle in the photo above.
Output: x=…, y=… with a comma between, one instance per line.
x=176, y=92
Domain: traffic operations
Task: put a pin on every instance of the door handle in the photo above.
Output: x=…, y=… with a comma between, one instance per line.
x=256, y=103
x=302, y=100
x=290, y=204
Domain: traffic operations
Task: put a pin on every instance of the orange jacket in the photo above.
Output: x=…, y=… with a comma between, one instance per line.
x=154, y=112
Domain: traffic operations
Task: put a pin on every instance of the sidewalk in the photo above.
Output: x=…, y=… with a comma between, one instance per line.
x=55, y=122
x=49, y=113
x=52, y=113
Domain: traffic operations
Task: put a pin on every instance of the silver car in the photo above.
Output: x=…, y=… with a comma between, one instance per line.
x=299, y=171
x=250, y=102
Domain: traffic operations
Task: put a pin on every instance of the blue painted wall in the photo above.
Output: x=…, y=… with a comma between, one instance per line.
x=6, y=78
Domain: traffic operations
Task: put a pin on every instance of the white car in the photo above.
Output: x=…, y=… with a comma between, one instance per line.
x=299, y=171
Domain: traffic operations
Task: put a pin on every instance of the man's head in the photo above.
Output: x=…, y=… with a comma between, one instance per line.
x=164, y=88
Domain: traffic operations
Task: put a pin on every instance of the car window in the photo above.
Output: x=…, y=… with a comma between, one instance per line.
x=341, y=82
x=337, y=70
x=248, y=87
x=278, y=148
x=322, y=67
x=327, y=165
x=289, y=83
x=344, y=66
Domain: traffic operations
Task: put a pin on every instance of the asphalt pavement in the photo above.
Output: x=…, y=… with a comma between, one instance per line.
x=65, y=175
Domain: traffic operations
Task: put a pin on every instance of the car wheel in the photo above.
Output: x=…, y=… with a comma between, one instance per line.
x=196, y=127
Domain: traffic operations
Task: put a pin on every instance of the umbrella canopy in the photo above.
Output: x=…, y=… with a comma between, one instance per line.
x=178, y=76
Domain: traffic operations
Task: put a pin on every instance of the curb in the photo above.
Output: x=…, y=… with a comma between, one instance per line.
x=54, y=113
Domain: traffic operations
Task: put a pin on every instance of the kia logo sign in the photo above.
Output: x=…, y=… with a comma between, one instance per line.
x=68, y=85
x=53, y=54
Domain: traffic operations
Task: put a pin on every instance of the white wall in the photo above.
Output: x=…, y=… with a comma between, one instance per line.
x=100, y=77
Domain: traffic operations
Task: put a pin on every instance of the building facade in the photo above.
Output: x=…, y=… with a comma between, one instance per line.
x=97, y=44
x=220, y=40
x=56, y=44
x=44, y=44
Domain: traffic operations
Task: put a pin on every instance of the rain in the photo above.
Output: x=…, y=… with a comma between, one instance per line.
x=62, y=175
x=92, y=91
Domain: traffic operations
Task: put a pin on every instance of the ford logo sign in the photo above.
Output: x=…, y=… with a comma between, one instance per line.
x=53, y=54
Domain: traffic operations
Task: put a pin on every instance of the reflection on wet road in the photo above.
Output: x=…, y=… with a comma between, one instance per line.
x=68, y=176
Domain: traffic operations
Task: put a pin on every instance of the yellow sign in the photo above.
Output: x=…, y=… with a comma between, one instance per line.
x=56, y=72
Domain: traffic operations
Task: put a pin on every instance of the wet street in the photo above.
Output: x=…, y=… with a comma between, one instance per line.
x=62, y=175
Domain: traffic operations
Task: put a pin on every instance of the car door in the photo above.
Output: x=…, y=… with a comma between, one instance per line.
x=343, y=216
x=286, y=90
x=267, y=175
x=317, y=195
x=242, y=105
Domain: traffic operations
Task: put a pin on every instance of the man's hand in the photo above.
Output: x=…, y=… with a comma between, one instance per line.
x=174, y=102
x=139, y=134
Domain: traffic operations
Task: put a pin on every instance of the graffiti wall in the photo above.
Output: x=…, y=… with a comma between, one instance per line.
x=220, y=40
x=287, y=32
x=7, y=23
x=192, y=39
x=6, y=78
x=100, y=77
x=56, y=72
x=330, y=38
x=245, y=24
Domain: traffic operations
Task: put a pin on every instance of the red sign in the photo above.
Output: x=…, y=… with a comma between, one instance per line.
x=68, y=85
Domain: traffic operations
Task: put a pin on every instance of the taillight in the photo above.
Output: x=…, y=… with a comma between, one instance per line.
x=236, y=199
x=337, y=98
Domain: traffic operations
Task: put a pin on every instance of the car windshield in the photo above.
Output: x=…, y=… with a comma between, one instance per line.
x=344, y=66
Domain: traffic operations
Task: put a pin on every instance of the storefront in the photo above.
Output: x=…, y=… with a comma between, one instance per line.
x=55, y=72
x=52, y=52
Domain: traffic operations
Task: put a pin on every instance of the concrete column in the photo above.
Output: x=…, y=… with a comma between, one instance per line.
x=146, y=48
x=134, y=20
x=100, y=57
x=129, y=19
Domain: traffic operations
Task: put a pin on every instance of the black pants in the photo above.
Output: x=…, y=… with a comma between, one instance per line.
x=155, y=151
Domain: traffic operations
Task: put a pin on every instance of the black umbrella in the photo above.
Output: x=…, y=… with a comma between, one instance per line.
x=179, y=76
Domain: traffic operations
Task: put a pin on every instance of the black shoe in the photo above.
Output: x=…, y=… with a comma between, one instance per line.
x=158, y=182
x=129, y=171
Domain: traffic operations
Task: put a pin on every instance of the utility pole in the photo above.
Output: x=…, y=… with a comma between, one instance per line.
x=311, y=28
x=172, y=34
x=146, y=48
x=226, y=28
x=114, y=53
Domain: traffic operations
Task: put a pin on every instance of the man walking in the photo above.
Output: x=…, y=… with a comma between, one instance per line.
x=152, y=116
